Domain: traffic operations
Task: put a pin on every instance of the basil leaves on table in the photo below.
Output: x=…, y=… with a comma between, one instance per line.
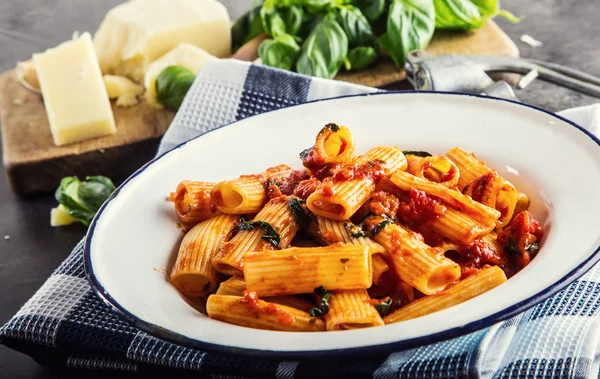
x=172, y=85
x=410, y=26
x=81, y=200
x=351, y=33
x=324, y=50
x=280, y=52
x=467, y=14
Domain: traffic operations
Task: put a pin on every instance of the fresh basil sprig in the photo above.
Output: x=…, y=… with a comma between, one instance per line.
x=172, y=85
x=324, y=51
x=360, y=57
x=269, y=235
x=410, y=26
x=323, y=307
x=355, y=231
x=372, y=9
x=379, y=227
x=81, y=200
x=279, y=52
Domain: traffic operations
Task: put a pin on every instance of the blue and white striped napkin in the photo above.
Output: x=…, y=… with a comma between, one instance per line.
x=66, y=324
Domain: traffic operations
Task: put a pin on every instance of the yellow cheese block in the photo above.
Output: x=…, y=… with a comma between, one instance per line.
x=137, y=32
x=185, y=55
x=74, y=93
x=60, y=217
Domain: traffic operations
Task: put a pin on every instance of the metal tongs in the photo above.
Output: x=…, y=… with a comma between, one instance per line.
x=469, y=73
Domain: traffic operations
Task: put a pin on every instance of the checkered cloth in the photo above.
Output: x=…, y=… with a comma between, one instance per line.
x=65, y=323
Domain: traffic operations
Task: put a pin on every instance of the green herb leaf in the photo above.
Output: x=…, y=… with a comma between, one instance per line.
x=356, y=26
x=269, y=235
x=272, y=21
x=457, y=14
x=81, y=200
x=410, y=26
x=331, y=126
x=300, y=214
x=292, y=17
x=324, y=50
x=323, y=307
x=318, y=5
x=355, y=231
x=94, y=191
x=360, y=57
x=491, y=8
x=372, y=9
x=384, y=308
x=280, y=52
x=246, y=27
x=172, y=85
x=380, y=227
x=417, y=153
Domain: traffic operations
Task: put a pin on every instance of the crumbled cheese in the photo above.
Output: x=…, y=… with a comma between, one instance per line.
x=525, y=38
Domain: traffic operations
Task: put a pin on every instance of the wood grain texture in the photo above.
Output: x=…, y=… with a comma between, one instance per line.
x=33, y=163
x=489, y=40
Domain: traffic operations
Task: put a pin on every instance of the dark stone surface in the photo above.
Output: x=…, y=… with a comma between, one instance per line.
x=567, y=28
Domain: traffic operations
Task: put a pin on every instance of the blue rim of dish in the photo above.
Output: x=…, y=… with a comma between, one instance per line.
x=473, y=326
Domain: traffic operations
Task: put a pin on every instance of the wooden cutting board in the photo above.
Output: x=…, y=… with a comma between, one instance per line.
x=33, y=164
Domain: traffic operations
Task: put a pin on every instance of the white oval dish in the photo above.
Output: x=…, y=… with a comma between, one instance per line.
x=133, y=239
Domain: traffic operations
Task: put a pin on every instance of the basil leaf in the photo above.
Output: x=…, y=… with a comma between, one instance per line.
x=511, y=249
x=417, y=153
x=384, y=308
x=380, y=227
x=172, y=85
x=457, y=14
x=331, y=126
x=532, y=248
x=360, y=57
x=491, y=8
x=323, y=307
x=356, y=26
x=280, y=52
x=304, y=153
x=269, y=235
x=410, y=26
x=300, y=215
x=81, y=200
x=318, y=5
x=355, y=231
x=246, y=27
x=292, y=17
x=372, y=9
x=324, y=50
x=94, y=191
x=272, y=21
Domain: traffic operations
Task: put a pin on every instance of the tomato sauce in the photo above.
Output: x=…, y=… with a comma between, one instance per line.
x=251, y=299
x=372, y=170
x=420, y=209
x=306, y=187
x=383, y=203
x=521, y=238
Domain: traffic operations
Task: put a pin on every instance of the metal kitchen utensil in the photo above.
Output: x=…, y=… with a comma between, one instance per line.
x=469, y=73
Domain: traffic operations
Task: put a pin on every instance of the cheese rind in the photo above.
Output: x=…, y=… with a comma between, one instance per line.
x=74, y=94
x=184, y=55
x=137, y=32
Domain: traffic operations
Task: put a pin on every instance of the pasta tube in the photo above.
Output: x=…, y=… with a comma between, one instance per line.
x=301, y=270
x=329, y=232
x=193, y=273
x=276, y=214
x=251, y=312
x=459, y=227
x=334, y=144
x=192, y=202
x=437, y=169
x=380, y=266
x=339, y=197
x=472, y=286
x=351, y=310
x=234, y=286
x=486, y=215
x=246, y=194
x=415, y=262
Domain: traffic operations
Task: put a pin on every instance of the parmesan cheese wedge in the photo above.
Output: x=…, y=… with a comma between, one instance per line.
x=137, y=32
x=123, y=89
x=185, y=55
x=74, y=94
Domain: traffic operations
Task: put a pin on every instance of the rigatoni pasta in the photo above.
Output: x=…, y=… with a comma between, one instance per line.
x=352, y=241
